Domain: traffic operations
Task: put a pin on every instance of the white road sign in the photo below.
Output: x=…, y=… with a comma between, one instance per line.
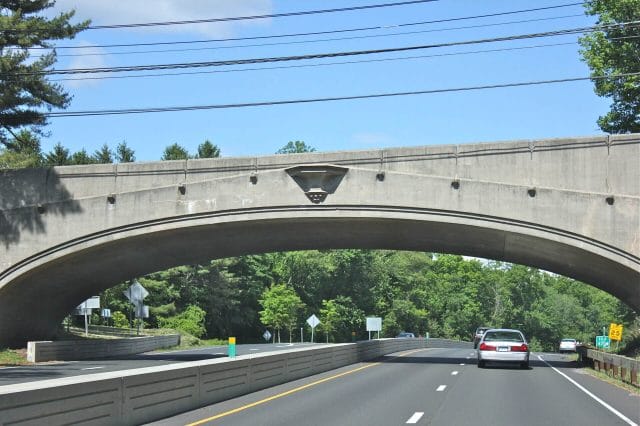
x=266, y=335
x=313, y=321
x=374, y=324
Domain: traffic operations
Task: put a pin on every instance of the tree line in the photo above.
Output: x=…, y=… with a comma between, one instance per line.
x=443, y=295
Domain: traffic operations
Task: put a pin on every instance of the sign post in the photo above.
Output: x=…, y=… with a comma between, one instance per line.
x=374, y=324
x=313, y=321
x=136, y=294
x=85, y=309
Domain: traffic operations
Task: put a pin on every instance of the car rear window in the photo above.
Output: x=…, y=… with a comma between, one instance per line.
x=503, y=336
x=569, y=340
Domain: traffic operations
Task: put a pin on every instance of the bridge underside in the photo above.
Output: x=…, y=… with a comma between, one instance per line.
x=37, y=300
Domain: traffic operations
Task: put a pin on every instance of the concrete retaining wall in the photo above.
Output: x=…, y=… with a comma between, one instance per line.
x=68, y=350
x=147, y=394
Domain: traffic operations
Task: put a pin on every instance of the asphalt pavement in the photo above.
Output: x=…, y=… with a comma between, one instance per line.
x=432, y=387
x=57, y=370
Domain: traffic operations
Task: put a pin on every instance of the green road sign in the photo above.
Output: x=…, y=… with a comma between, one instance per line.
x=603, y=342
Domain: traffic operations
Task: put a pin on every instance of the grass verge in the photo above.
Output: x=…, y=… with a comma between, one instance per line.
x=609, y=379
x=13, y=357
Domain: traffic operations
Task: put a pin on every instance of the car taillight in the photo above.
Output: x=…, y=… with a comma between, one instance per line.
x=485, y=347
x=521, y=348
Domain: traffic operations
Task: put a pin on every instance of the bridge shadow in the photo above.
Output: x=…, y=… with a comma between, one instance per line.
x=27, y=196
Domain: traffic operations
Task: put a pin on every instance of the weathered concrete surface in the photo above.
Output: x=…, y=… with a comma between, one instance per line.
x=69, y=350
x=571, y=206
x=134, y=397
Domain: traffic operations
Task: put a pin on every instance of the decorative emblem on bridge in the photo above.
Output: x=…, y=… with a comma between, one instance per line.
x=317, y=180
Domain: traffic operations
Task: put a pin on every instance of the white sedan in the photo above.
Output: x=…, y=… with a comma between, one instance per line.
x=568, y=345
x=503, y=345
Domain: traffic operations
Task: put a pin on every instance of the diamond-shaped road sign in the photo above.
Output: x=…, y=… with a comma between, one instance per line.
x=136, y=293
x=266, y=335
x=313, y=321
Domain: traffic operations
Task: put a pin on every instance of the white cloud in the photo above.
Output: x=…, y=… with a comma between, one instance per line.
x=106, y=12
x=92, y=57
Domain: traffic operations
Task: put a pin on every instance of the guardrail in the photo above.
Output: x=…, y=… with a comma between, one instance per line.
x=616, y=366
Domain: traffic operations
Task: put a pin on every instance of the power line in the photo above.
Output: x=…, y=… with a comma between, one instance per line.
x=135, y=68
x=329, y=99
x=379, y=27
x=364, y=61
x=184, y=50
x=316, y=65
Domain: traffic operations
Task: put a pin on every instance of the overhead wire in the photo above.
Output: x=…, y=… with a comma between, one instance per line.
x=128, y=111
x=185, y=50
x=377, y=27
x=135, y=68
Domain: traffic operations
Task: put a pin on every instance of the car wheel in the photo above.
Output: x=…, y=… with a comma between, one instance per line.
x=524, y=365
x=481, y=363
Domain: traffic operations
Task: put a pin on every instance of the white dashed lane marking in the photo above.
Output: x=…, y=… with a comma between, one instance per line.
x=415, y=418
x=441, y=388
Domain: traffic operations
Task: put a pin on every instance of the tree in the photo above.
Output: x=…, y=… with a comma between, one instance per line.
x=26, y=152
x=329, y=317
x=26, y=92
x=295, y=147
x=59, y=156
x=615, y=50
x=104, y=155
x=191, y=321
x=175, y=152
x=208, y=150
x=124, y=154
x=82, y=157
x=280, y=305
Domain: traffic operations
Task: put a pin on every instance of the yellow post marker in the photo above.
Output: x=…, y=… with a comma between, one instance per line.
x=232, y=347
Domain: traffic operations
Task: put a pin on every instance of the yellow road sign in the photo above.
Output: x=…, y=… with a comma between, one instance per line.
x=615, y=331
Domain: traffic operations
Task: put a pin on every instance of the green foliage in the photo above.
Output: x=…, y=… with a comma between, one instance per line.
x=119, y=320
x=280, y=305
x=26, y=92
x=295, y=147
x=124, y=154
x=59, y=156
x=82, y=157
x=614, y=50
x=191, y=320
x=104, y=155
x=26, y=152
x=445, y=295
x=175, y=152
x=208, y=150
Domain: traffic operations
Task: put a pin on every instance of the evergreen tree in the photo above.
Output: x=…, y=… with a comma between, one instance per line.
x=208, y=150
x=82, y=157
x=59, y=156
x=124, y=154
x=104, y=155
x=25, y=88
x=175, y=152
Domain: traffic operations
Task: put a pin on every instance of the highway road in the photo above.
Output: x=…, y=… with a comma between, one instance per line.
x=432, y=387
x=57, y=370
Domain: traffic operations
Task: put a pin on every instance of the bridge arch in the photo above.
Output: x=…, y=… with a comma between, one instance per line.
x=111, y=235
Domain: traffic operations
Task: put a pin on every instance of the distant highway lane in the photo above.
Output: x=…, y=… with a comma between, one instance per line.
x=57, y=370
x=431, y=387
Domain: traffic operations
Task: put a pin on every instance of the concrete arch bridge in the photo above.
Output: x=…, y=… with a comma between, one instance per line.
x=570, y=206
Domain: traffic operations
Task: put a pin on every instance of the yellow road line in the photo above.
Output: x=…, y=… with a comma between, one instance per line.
x=289, y=392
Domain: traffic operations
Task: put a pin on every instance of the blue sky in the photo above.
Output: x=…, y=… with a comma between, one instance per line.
x=558, y=110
